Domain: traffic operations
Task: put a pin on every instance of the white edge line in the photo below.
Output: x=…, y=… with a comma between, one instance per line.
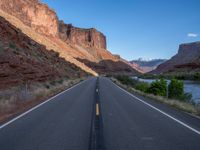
x=162, y=112
x=37, y=106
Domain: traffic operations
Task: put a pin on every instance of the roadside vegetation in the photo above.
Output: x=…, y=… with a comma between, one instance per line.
x=172, y=94
x=179, y=76
x=25, y=96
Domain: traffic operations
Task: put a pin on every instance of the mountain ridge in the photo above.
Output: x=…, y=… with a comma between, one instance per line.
x=147, y=65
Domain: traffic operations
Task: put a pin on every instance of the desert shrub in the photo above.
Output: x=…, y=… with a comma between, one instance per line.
x=53, y=82
x=12, y=45
x=142, y=86
x=158, y=87
x=46, y=86
x=60, y=81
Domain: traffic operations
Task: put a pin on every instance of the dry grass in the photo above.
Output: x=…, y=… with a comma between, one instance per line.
x=57, y=45
x=19, y=99
x=180, y=105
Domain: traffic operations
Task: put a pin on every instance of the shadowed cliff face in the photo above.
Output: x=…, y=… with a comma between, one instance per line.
x=187, y=60
x=110, y=67
x=24, y=60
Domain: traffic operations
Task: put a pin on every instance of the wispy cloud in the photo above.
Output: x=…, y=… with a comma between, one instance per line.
x=192, y=35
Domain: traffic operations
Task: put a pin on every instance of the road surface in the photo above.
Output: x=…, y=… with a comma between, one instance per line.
x=128, y=123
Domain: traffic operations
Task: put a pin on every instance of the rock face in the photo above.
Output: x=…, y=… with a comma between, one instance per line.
x=70, y=42
x=187, y=60
x=34, y=14
x=24, y=60
x=83, y=37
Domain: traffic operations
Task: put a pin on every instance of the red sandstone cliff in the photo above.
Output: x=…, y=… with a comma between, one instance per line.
x=83, y=37
x=34, y=14
x=186, y=60
x=41, y=24
x=22, y=59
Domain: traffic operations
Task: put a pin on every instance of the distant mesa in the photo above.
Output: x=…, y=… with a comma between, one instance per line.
x=187, y=60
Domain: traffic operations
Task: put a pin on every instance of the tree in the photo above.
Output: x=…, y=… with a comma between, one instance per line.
x=158, y=87
x=176, y=89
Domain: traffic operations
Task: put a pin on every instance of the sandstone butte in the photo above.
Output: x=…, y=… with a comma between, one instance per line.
x=187, y=60
x=75, y=45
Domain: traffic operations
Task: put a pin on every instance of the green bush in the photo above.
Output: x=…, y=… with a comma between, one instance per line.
x=142, y=86
x=197, y=76
x=125, y=80
x=158, y=87
x=186, y=97
x=176, y=89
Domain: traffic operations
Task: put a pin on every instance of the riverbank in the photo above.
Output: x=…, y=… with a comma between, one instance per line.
x=180, y=105
x=180, y=76
x=192, y=87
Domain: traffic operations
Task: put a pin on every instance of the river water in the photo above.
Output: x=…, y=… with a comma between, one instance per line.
x=192, y=87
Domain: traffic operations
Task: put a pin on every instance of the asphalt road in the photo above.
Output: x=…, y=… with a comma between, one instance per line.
x=128, y=123
x=61, y=124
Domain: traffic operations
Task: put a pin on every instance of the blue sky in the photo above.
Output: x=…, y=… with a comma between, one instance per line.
x=136, y=28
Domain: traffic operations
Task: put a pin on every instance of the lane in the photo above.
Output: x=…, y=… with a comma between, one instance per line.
x=63, y=123
x=130, y=124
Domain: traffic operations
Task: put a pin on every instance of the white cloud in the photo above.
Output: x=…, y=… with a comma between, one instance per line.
x=192, y=35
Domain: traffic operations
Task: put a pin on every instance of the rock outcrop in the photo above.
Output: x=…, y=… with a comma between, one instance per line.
x=186, y=60
x=34, y=14
x=82, y=37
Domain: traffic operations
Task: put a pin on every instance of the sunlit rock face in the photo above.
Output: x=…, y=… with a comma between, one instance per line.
x=34, y=14
x=83, y=37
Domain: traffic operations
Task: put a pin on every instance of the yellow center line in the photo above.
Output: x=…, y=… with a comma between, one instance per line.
x=97, y=109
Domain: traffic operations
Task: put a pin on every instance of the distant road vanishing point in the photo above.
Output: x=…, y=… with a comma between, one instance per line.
x=96, y=114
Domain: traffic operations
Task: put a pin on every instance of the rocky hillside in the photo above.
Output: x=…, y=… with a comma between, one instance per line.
x=24, y=60
x=187, y=60
x=41, y=24
x=148, y=65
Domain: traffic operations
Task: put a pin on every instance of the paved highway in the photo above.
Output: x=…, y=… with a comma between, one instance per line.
x=128, y=122
x=132, y=124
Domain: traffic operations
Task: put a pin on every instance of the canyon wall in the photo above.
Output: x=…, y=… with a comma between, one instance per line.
x=41, y=24
x=34, y=14
x=186, y=60
x=83, y=37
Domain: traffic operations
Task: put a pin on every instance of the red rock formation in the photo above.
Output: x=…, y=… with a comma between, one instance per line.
x=83, y=37
x=34, y=14
x=24, y=60
x=71, y=42
x=187, y=60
